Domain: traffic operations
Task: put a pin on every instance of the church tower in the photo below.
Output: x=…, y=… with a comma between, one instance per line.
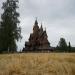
x=38, y=40
x=35, y=27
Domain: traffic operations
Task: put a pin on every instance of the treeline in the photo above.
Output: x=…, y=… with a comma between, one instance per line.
x=63, y=47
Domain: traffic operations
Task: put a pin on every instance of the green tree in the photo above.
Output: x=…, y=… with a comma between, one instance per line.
x=10, y=31
x=69, y=47
x=62, y=44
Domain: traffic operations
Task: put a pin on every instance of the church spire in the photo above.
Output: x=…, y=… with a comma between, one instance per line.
x=41, y=28
x=35, y=27
x=45, y=32
x=36, y=22
x=41, y=25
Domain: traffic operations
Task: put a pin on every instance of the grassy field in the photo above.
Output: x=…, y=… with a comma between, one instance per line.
x=37, y=64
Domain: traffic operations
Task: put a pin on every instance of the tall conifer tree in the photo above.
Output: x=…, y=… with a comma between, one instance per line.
x=10, y=30
x=69, y=47
x=62, y=44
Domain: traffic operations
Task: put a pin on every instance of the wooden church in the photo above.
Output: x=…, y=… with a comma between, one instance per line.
x=38, y=40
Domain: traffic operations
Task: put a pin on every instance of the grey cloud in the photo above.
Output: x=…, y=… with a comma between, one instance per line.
x=58, y=16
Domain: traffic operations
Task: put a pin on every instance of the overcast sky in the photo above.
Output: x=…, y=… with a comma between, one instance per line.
x=58, y=16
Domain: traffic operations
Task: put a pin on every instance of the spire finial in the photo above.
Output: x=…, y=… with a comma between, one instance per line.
x=35, y=18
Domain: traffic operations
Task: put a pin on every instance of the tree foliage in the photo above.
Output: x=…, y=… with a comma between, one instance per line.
x=62, y=44
x=69, y=47
x=10, y=30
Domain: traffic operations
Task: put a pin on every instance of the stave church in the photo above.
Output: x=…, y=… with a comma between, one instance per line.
x=38, y=40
